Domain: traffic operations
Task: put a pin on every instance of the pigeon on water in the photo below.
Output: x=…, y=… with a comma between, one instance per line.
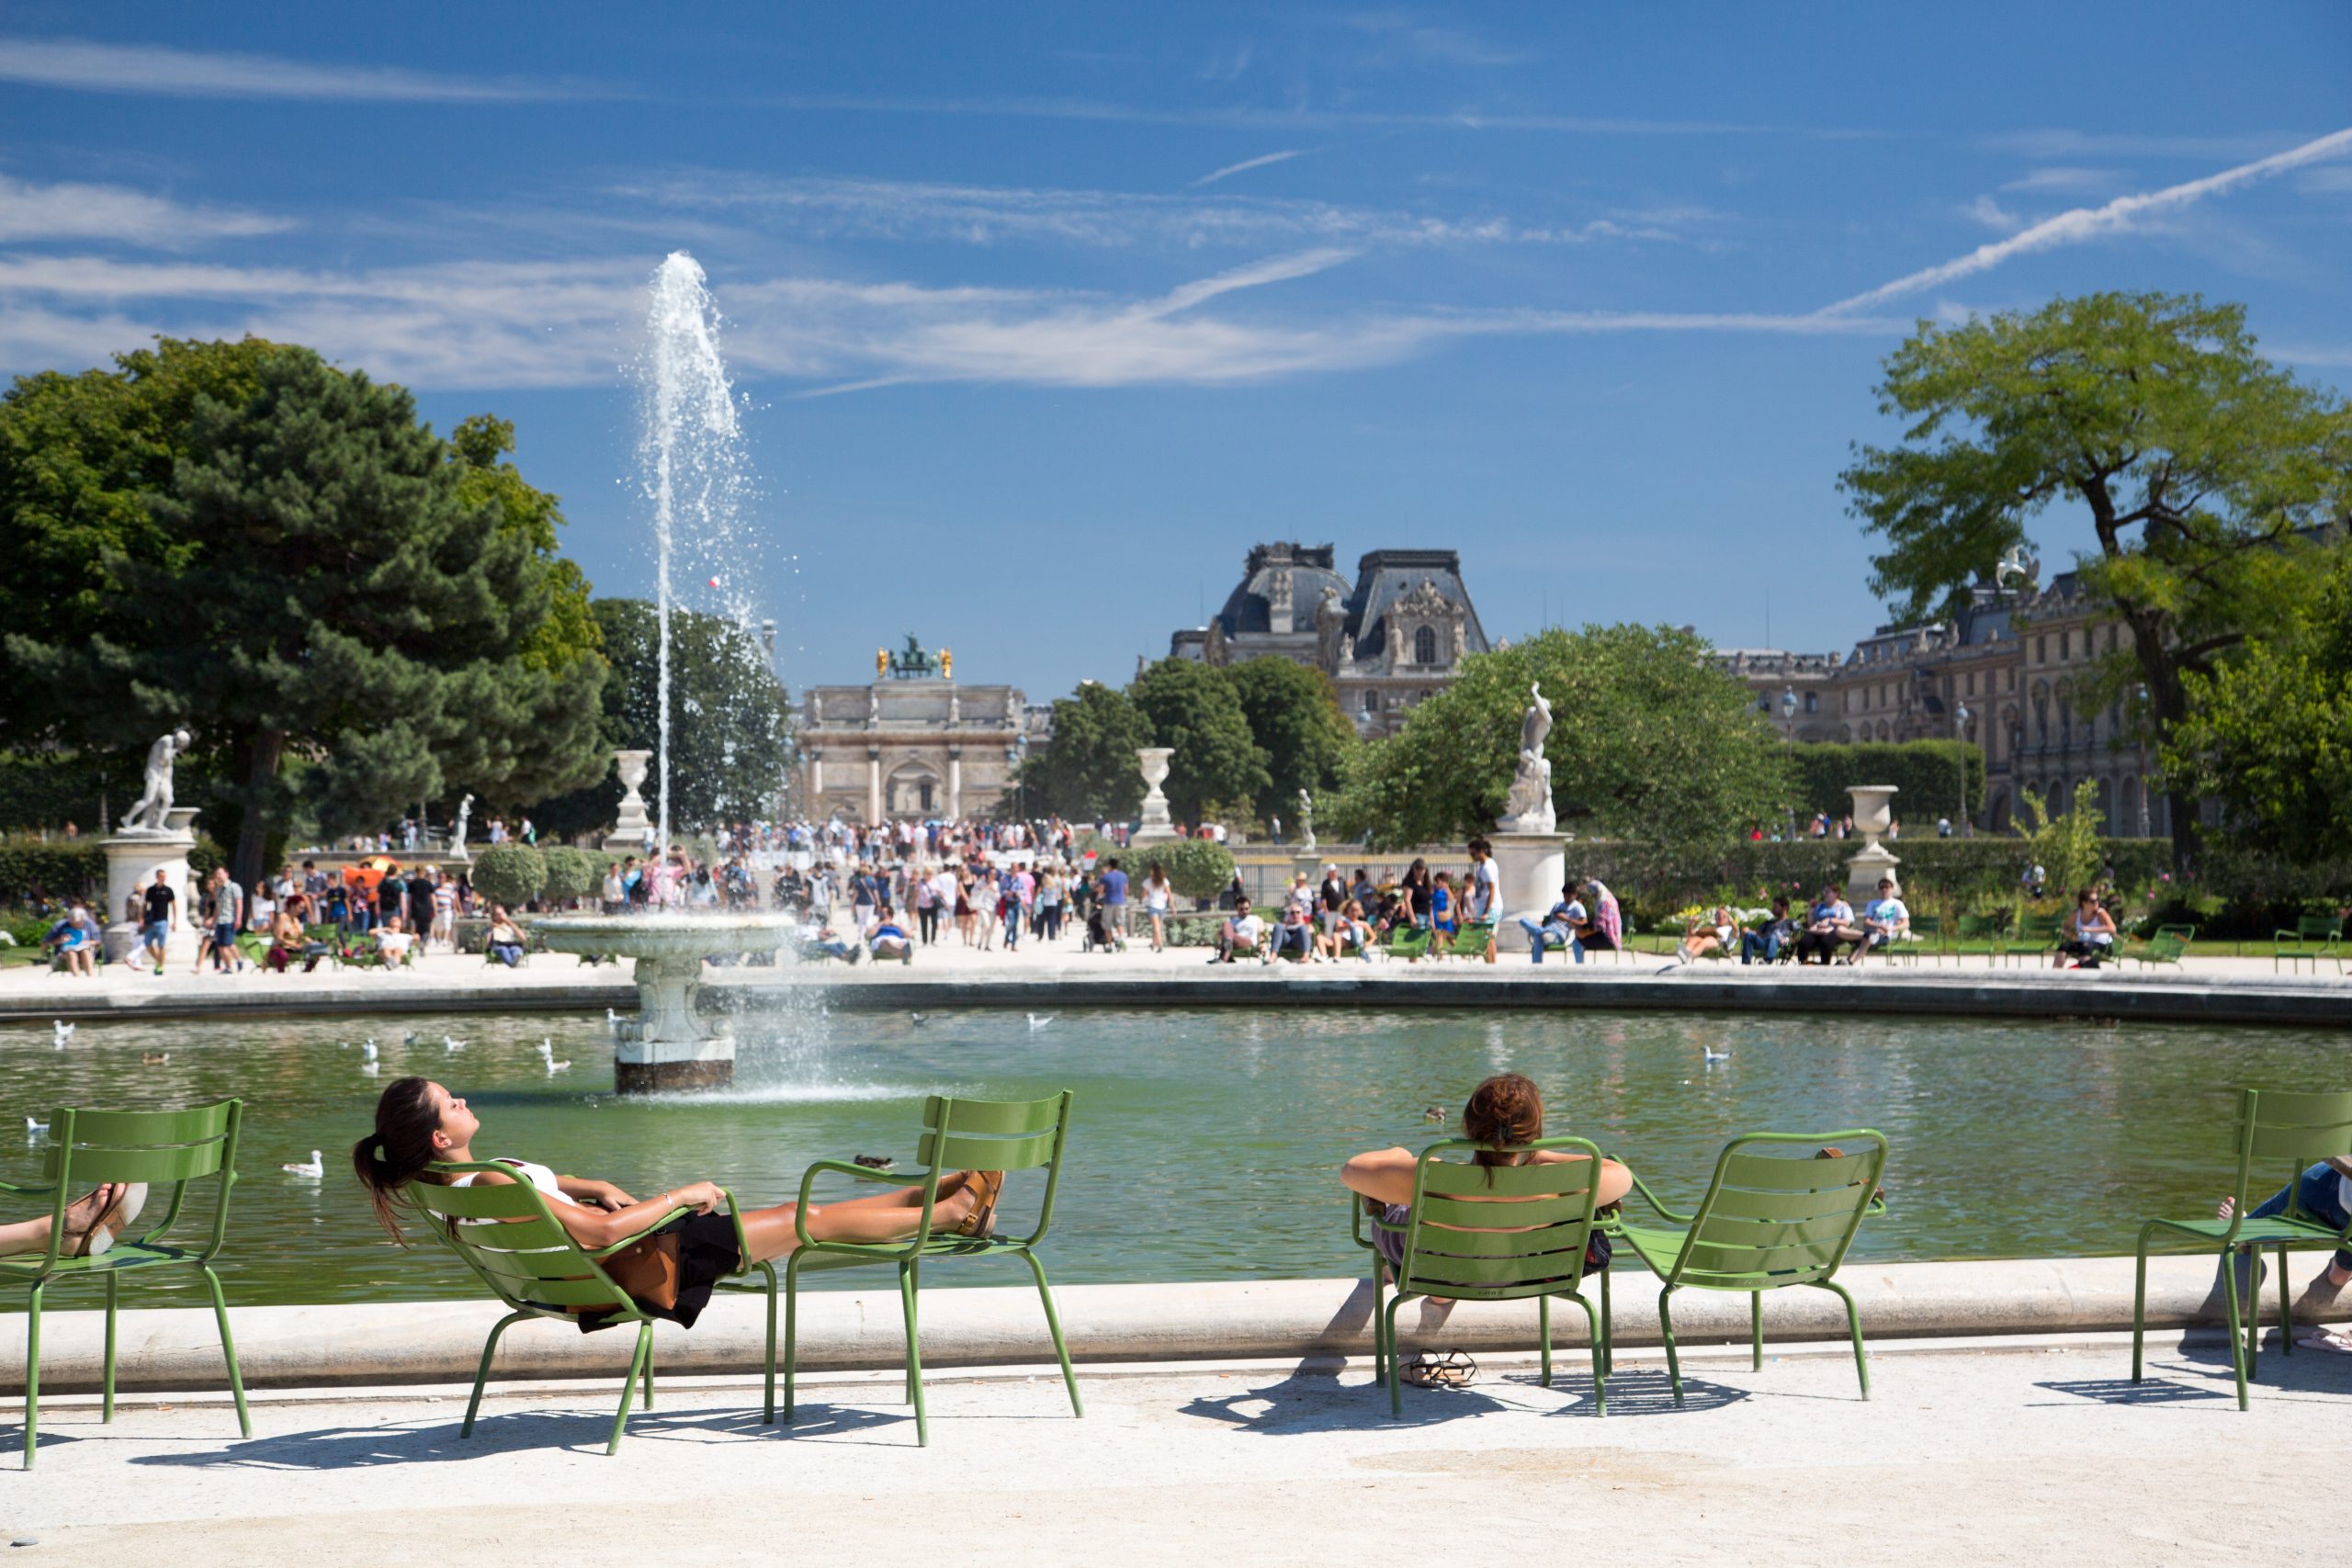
x=35, y=1129
x=409, y=1038
x=65, y=1032
x=309, y=1169
x=874, y=1162
x=153, y=1058
x=1433, y=1113
x=1038, y=1021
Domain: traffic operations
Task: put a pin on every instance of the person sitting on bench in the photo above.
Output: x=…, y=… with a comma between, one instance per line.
x=1240, y=933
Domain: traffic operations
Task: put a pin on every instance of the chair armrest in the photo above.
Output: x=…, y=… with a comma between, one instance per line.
x=834, y=1167
x=27, y=1189
x=601, y=1253
x=1655, y=1201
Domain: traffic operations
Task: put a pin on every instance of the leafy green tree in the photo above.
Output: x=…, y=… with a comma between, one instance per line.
x=2200, y=466
x=569, y=632
x=512, y=875
x=2270, y=732
x=1194, y=709
x=315, y=590
x=730, y=725
x=1295, y=719
x=571, y=874
x=1088, y=774
x=2066, y=847
x=79, y=457
x=1649, y=743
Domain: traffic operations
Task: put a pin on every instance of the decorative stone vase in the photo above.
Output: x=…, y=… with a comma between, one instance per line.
x=1873, y=808
x=1155, y=825
x=1873, y=814
x=628, y=833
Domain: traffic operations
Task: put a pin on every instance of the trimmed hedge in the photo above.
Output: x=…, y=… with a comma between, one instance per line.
x=571, y=874
x=1926, y=774
x=1197, y=868
x=512, y=875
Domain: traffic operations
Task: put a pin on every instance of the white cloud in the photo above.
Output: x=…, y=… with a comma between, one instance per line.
x=1993, y=215
x=1401, y=34
x=2119, y=216
x=72, y=211
x=895, y=209
x=87, y=66
x=1246, y=165
x=2062, y=177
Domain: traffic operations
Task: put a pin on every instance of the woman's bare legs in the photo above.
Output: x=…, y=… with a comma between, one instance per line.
x=32, y=1236
x=884, y=1216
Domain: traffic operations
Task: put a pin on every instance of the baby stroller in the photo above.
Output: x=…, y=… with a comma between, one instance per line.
x=1099, y=934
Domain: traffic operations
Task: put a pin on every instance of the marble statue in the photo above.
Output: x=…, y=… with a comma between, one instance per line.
x=457, y=833
x=1305, y=820
x=155, y=804
x=1331, y=628
x=874, y=704
x=1529, y=808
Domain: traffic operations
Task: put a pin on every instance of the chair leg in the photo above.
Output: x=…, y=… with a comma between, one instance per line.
x=649, y=1374
x=1054, y=1326
x=2285, y=1312
x=1396, y=1380
x=32, y=1375
x=914, y=1354
x=2252, y=1307
x=637, y=1369
x=228, y=1350
x=2139, y=1305
x=769, y=1415
x=1756, y=1331
x=481, y=1373
x=791, y=1326
x=1543, y=1327
x=114, y=1297
x=1666, y=1330
x=912, y=1271
x=2230, y=1297
x=1379, y=1328
x=1608, y=1328
x=1594, y=1337
x=1853, y=1328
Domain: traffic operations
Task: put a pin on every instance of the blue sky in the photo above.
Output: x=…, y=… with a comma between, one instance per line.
x=1041, y=315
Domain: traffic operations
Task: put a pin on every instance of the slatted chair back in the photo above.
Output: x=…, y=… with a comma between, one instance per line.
x=994, y=1134
x=513, y=1241
x=1461, y=1242
x=1778, y=1213
x=176, y=1150
x=2283, y=1133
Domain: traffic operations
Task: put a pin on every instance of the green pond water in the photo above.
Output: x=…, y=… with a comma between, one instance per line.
x=1205, y=1143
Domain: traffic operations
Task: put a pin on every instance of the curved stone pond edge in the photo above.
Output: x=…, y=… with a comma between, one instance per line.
x=1977, y=993
x=438, y=1342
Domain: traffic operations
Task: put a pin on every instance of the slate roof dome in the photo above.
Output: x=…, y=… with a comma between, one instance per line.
x=1280, y=588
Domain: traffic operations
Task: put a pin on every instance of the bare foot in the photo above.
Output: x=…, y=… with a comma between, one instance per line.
x=2228, y=1206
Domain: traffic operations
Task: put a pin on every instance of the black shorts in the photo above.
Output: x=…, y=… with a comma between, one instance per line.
x=707, y=1255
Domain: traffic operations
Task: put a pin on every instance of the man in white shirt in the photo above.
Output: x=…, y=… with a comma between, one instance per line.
x=1884, y=919
x=1485, y=892
x=1242, y=932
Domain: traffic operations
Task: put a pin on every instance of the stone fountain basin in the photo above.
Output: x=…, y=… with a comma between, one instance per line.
x=665, y=935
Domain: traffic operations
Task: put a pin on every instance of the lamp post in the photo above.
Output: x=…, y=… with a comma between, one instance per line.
x=1019, y=756
x=1788, y=747
x=2140, y=730
x=1960, y=723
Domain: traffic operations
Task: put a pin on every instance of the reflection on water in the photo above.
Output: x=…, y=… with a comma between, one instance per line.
x=1205, y=1143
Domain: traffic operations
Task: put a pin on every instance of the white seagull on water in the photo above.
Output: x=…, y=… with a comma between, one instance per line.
x=309, y=1169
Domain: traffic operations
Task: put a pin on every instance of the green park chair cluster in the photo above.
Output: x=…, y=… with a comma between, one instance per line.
x=1772, y=1218
x=2315, y=938
x=170, y=1151
x=2279, y=1136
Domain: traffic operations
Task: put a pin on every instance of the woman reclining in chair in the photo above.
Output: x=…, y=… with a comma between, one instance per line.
x=419, y=1124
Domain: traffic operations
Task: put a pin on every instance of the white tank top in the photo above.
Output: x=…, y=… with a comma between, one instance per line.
x=539, y=1176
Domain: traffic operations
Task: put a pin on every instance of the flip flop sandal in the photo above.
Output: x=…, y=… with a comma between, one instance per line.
x=2327, y=1339
x=101, y=1237
x=1428, y=1369
x=984, y=1185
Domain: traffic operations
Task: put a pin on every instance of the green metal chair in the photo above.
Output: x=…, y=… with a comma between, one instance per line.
x=1925, y=939
x=1453, y=1247
x=2315, y=937
x=2278, y=1131
x=173, y=1148
x=958, y=1134
x=1408, y=943
x=1772, y=1217
x=1469, y=941
x=507, y=1233
x=2168, y=945
x=2037, y=935
x=1991, y=929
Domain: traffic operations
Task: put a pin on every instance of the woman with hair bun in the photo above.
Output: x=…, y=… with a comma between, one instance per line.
x=1504, y=1113
x=419, y=1124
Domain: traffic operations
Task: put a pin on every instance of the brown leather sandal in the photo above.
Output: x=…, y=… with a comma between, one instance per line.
x=984, y=1186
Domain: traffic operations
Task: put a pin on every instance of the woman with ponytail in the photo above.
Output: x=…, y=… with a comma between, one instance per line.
x=419, y=1124
x=1504, y=1113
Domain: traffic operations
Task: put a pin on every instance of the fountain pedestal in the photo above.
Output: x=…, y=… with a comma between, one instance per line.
x=670, y=1046
x=132, y=860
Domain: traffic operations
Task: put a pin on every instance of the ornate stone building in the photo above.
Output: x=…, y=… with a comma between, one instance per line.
x=1396, y=634
x=2019, y=664
x=913, y=743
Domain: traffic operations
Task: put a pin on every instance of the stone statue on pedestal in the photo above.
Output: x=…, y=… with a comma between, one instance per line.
x=155, y=803
x=1305, y=820
x=457, y=833
x=1529, y=808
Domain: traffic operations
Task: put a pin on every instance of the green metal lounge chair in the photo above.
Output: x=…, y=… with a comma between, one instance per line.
x=173, y=1148
x=1408, y=943
x=1468, y=941
x=2277, y=1133
x=958, y=1134
x=2169, y=945
x=2315, y=937
x=1451, y=1247
x=2037, y=935
x=1991, y=929
x=522, y=1253
x=1778, y=1213
x=1923, y=940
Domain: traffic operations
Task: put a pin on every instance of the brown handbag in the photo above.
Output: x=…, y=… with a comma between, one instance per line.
x=647, y=1270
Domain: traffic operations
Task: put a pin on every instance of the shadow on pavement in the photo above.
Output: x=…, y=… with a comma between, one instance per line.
x=1313, y=1399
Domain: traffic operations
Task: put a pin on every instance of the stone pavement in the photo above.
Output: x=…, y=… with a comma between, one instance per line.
x=1977, y=1452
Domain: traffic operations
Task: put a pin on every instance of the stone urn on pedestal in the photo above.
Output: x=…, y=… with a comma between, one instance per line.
x=628, y=833
x=1155, y=827
x=1873, y=814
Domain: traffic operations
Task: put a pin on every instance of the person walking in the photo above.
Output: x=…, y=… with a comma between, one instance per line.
x=157, y=909
x=1115, y=901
